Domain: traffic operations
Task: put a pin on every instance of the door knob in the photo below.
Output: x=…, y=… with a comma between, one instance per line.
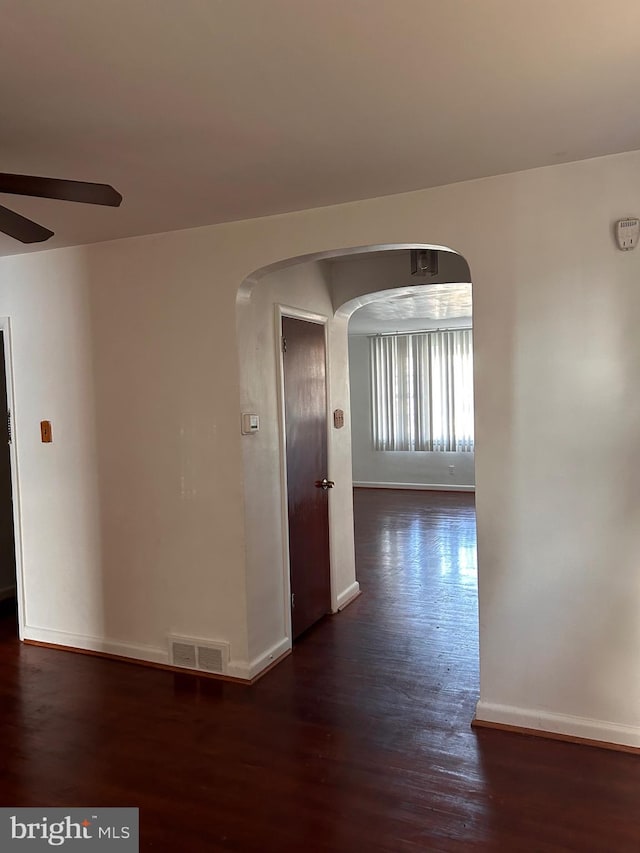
x=324, y=484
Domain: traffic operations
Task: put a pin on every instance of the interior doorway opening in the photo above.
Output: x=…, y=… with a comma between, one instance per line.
x=9, y=618
x=324, y=286
x=411, y=380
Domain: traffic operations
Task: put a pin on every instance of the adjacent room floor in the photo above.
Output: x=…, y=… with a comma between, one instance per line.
x=360, y=741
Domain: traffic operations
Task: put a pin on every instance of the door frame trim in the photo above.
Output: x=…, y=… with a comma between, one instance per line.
x=5, y=328
x=280, y=312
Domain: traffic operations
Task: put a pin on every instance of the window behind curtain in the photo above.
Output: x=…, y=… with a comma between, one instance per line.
x=422, y=391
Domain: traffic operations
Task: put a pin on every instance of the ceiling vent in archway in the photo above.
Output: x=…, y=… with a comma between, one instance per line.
x=424, y=262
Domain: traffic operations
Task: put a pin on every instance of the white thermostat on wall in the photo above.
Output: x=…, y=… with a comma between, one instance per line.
x=627, y=231
x=250, y=423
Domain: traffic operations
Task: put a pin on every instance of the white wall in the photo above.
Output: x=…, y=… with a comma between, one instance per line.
x=134, y=517
x=375, y=467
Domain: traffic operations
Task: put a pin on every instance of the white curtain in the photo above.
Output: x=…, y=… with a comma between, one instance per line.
x=422, y=391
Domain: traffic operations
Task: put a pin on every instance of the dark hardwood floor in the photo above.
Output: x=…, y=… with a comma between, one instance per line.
x=360, y=741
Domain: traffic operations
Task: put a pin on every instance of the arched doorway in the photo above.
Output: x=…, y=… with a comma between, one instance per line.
x=303, y=287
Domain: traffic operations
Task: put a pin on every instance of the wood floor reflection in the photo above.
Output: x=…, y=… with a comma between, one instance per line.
x=360, y=741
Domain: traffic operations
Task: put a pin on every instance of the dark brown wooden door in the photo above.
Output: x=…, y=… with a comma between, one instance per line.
x=306, y=435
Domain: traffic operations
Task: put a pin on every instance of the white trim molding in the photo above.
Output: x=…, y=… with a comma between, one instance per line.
x=96, y=644
x=266, y=658
x=150, y=654
x=426, y=487
x=347, y=595
x=558, y=724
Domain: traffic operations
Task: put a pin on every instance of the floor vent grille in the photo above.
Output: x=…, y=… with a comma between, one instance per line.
x=210, y=659
x=199, y=654
x=183, y=654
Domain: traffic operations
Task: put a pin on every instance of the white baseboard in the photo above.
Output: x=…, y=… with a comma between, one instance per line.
x=96, y=644
x=426, y=487
x=558, y=724
x=248, y=671
x=347, y=595
x=150, y=654
x=7, y=592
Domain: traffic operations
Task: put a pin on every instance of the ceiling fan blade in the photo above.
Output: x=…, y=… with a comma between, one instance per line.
x=21, y=228
x=57, y=188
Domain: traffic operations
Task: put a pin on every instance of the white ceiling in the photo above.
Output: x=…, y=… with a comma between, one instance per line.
x=426, y=307
x=202, y=111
